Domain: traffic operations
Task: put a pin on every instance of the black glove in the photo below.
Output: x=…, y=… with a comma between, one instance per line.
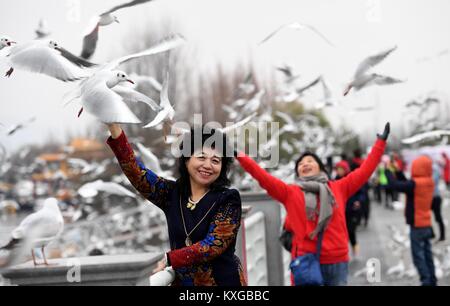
x=385, y=135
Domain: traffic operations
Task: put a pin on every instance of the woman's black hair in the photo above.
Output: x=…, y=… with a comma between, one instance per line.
x=316, y=158
x=190, y=144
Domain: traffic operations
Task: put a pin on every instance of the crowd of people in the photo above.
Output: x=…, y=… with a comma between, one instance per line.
x=323, y=213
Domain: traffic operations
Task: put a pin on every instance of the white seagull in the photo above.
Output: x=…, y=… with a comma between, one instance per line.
x=229, y=128
x=39, y=229
x=151, y=162
x=91, y=189
x=328, y=98
x=6, y=42
x=225, y=130
x=42, y=30
x=309, y=85
x=246, y=87
x=167, y=112
x=363, y=79
x=289, y=75
x=423, y=105
x=426, y=136
x=46, y=57
x=142, y=80
x=101, y=96
x=297, y=26
x=14, y=128
x=91, y=34
x=254, y=103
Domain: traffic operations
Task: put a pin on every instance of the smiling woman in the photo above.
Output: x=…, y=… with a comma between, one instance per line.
x=203, y=215
x=316, y=213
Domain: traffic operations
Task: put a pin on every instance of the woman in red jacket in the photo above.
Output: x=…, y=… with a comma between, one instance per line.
x=316, y=204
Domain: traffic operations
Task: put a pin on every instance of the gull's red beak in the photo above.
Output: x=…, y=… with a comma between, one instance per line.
x=11, y=42
x=128, y=80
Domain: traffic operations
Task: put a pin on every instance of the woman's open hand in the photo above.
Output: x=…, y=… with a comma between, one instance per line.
x=114, y=129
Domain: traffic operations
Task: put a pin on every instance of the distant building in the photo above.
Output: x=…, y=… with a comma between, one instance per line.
x=88, y=149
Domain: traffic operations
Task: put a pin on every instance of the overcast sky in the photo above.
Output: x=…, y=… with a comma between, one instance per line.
x=228, y=31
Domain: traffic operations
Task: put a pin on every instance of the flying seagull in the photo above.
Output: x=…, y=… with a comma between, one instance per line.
x=297, y=26
x=363, y=78
x=104, y=19
x=46, y=57
x=101, y=96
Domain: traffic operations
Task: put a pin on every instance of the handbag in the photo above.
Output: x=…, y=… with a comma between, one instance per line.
x=286, y=239
x=306, y=268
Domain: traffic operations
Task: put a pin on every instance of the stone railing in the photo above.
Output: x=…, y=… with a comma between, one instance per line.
x=261, y=229
x=128, y=270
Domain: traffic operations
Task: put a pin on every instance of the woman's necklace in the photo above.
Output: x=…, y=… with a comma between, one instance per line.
x=188, y=240
x=193, y=204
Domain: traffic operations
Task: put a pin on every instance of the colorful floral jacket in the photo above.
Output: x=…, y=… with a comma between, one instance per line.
x=211, y=259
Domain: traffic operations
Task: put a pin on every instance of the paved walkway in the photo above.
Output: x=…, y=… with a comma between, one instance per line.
x=386, y=239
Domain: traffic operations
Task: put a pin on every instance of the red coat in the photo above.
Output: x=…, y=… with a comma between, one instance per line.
x=446, y=170
x=335, y=241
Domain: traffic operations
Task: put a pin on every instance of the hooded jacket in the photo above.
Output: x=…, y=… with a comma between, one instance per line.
x=419, y=192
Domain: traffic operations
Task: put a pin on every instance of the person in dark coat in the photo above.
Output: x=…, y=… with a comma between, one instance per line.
x=203, y=215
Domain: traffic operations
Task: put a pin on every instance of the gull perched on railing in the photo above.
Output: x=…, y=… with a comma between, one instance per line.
x=104, y=19
x=364, y=79
x=38, y=229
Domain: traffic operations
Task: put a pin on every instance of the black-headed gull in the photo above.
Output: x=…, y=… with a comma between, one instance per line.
x=363, y=79
x=423, y=105
x=6, y=42
x=228, y=128
x=398, y=269
x=143, y=80
x=151, y=162
x=91, y=34
x=246, y=87
x=254, y=103
x=14, y=128
x=313, y=83
x=328, y=98
x=47, y=57
x=102, y=97
x=289, y=75
x=38, y=229
x=91, y=189
x=42, y=30
x=290, y=125
x=237, y=125
x=167, y=112
x=426, y=136
x=297, y=26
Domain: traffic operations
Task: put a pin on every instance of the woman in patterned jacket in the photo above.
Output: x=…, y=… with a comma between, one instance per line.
x=203, y=215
